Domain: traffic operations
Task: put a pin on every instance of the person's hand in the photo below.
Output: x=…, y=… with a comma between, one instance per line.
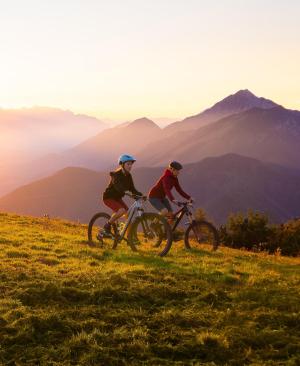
x=141, y=196
x=191, y=200
x=136, y=196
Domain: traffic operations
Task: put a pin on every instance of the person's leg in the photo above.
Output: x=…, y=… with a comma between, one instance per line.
x=163, y=207
x=177, y=235
x=158, y=204
x=116, y=215
x=119, y=208
x=167, y=211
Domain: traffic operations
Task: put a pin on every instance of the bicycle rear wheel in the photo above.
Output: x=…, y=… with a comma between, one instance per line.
x=201, y=233
x=151, y=233
x=95, y=230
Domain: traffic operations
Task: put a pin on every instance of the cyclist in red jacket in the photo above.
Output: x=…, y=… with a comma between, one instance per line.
x=161, y=191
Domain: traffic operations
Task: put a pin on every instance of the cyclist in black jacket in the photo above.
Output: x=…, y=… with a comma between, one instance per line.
x=120, y=182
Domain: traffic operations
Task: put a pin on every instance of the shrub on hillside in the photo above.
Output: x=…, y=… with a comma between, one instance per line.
x=251, y=231
x=200, y=214
x=286, y=239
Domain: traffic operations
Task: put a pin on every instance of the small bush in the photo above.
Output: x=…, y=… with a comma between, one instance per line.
x=200, y=214
x=253, y=232
x=286, y=239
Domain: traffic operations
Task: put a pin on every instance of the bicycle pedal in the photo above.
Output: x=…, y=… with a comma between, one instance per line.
x=101, y=236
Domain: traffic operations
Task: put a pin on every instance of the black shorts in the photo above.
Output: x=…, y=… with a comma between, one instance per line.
x=160, y=203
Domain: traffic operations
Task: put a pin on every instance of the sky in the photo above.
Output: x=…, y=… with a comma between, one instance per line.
x=124, y=59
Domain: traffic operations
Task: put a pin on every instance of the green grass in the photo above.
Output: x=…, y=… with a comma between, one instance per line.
x=65, y=303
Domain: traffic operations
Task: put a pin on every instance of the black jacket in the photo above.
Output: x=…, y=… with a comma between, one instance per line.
x=119, y=184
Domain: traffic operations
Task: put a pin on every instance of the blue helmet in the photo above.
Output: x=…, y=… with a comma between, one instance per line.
x=124, y=158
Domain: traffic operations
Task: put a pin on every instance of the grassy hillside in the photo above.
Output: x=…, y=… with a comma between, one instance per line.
x=64, y=303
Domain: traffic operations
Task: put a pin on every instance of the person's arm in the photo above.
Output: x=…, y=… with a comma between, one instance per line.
x=167, y=185
x=181, y=191
x=132, y=188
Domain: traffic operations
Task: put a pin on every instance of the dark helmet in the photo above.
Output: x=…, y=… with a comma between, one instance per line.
x=176, y=165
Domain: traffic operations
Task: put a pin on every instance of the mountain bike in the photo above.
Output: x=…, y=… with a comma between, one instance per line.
x=198, y=232
x=146, y=231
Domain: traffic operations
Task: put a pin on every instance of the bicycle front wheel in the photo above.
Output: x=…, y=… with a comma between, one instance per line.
x=151, y=233
x=95, y=232
x=201, y=233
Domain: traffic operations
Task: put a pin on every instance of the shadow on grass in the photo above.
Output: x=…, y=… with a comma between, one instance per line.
x=186, y=272
x=145, y=259
x=201, y=252
x=169, y=261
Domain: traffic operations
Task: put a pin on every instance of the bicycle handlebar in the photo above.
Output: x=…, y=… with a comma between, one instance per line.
x=186, y=203
x=136, y=197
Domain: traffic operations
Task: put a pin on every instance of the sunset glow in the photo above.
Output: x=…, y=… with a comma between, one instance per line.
x=126, y=59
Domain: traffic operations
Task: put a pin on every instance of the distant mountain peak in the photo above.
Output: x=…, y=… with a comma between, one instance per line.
x=143, y=122
x=236, y=103
x=240, y=101
x=245, y=92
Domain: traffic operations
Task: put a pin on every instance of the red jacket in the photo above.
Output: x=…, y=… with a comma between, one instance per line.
x=164, y=185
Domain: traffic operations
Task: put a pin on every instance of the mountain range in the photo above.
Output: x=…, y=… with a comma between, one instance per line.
x=102, y=151
x=34, y=132
x=241, y=125
x=271, y=135
x=221, y=185
x=29, y=134
x=235, y=103
x=98, y=152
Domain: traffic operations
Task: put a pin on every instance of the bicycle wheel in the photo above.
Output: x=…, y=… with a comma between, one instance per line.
x=151, y=233
x=201, y=233
x=96, y=227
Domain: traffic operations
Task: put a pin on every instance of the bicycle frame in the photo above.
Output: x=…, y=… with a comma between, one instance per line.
x=136, y=209
x=179, y=215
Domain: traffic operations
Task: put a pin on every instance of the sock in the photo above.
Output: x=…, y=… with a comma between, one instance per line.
x=107, y=226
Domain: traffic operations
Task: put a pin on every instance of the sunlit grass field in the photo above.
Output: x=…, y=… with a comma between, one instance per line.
x=65, y=303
